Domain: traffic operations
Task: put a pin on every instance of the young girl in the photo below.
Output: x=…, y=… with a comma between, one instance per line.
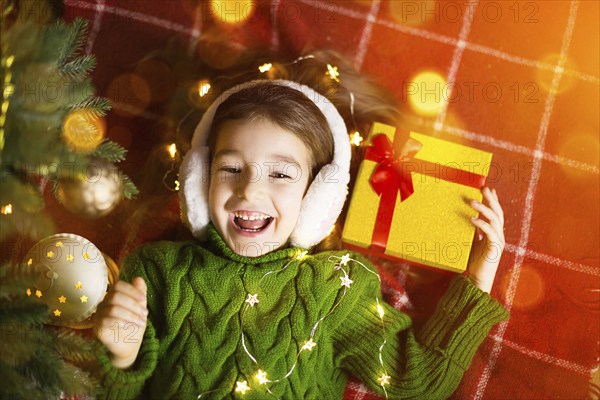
x=246, y=312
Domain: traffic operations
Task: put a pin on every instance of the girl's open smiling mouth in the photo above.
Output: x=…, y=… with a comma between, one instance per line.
x=250, y=223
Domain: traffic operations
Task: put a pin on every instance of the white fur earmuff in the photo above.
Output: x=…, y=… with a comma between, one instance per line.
x=322, y=202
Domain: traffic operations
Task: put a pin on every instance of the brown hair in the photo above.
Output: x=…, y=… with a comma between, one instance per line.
x=372, y=103
x=285, y=107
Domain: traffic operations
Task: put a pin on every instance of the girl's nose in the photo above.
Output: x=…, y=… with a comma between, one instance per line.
x=251, y=185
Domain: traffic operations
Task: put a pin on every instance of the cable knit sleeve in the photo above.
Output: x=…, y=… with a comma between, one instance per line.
x=128, y=384
x=426, y=364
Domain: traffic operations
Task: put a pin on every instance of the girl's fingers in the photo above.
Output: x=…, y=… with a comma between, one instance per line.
x=492, y=199
x=491, y=233
x=122, y=314
x=124, y=300
x=130, y=290
x=105, y=332
x=489, y=214
x=479, y=234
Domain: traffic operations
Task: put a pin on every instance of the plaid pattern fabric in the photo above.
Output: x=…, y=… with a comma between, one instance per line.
x=520, y=79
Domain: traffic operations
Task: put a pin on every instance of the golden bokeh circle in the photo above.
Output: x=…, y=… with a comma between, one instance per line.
x=232, y=11
x=426, y=93
x=82, y=131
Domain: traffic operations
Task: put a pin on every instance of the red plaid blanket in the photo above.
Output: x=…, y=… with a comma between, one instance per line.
x=520, y=79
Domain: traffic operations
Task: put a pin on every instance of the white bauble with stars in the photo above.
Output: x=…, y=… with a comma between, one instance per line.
x=71, y=277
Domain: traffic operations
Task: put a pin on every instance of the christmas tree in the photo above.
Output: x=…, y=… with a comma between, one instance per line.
x=51, y=132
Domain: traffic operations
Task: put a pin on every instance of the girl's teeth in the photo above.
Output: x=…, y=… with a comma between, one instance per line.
x=252, y=217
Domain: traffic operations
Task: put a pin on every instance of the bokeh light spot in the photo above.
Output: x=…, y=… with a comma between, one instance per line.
x=530, y=289
x=232, y=11
x=426, y=92
x=544, y=77
x=82, y=131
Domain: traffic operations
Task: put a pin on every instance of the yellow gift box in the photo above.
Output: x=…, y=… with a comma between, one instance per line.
x=414, y=205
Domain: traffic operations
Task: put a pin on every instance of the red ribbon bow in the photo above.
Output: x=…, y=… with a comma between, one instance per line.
x=390, y=175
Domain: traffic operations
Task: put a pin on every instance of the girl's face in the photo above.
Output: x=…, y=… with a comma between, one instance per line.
x=259, y=175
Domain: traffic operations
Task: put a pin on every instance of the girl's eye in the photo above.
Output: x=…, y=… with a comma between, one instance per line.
x=279, y=175
x=232, y=170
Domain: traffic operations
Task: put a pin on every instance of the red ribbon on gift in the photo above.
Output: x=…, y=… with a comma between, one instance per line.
x=393, y=176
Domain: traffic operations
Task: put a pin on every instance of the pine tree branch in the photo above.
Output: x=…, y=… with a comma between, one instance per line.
x=75, y=348
x=15, y=279
x=20, y=342
x=23, y=311
x=97, y=106
x=79, y=68
x=130, y=191
x=74, y=380
x=75, y=40
x=110, y=151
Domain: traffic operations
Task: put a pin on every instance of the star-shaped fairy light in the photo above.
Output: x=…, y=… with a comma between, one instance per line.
x=38, y=293
x=302, y=254
x=309, y=344
x=59, y=244
x=379, y=310
x=50, y=254
x=355, y=138
x=261, y=376
x=333, y=73
x=345, y=259
x=83, y=299
x=28, y=291
x=203, y=88
x=265, y=67
x=70, y=258
x=79, y=285
x=346, y=281
x=57, y=312
x=242, y=387
x=62, y=299
x=30, y=261
x=252, y=299
x=384, y=379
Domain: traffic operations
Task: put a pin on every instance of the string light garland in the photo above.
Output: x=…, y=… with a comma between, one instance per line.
x=339, y=264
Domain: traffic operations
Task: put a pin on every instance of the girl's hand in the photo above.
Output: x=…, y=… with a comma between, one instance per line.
x=120, y=321
x=486, y=252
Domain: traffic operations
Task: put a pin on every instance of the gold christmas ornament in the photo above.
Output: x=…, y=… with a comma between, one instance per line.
x=71, y=277
x=94, y=196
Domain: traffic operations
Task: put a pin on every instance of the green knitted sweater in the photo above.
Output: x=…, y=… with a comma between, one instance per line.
x=204, y=338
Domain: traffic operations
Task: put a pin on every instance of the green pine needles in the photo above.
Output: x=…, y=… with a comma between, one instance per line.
x=50, y=127
x=36, y=361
